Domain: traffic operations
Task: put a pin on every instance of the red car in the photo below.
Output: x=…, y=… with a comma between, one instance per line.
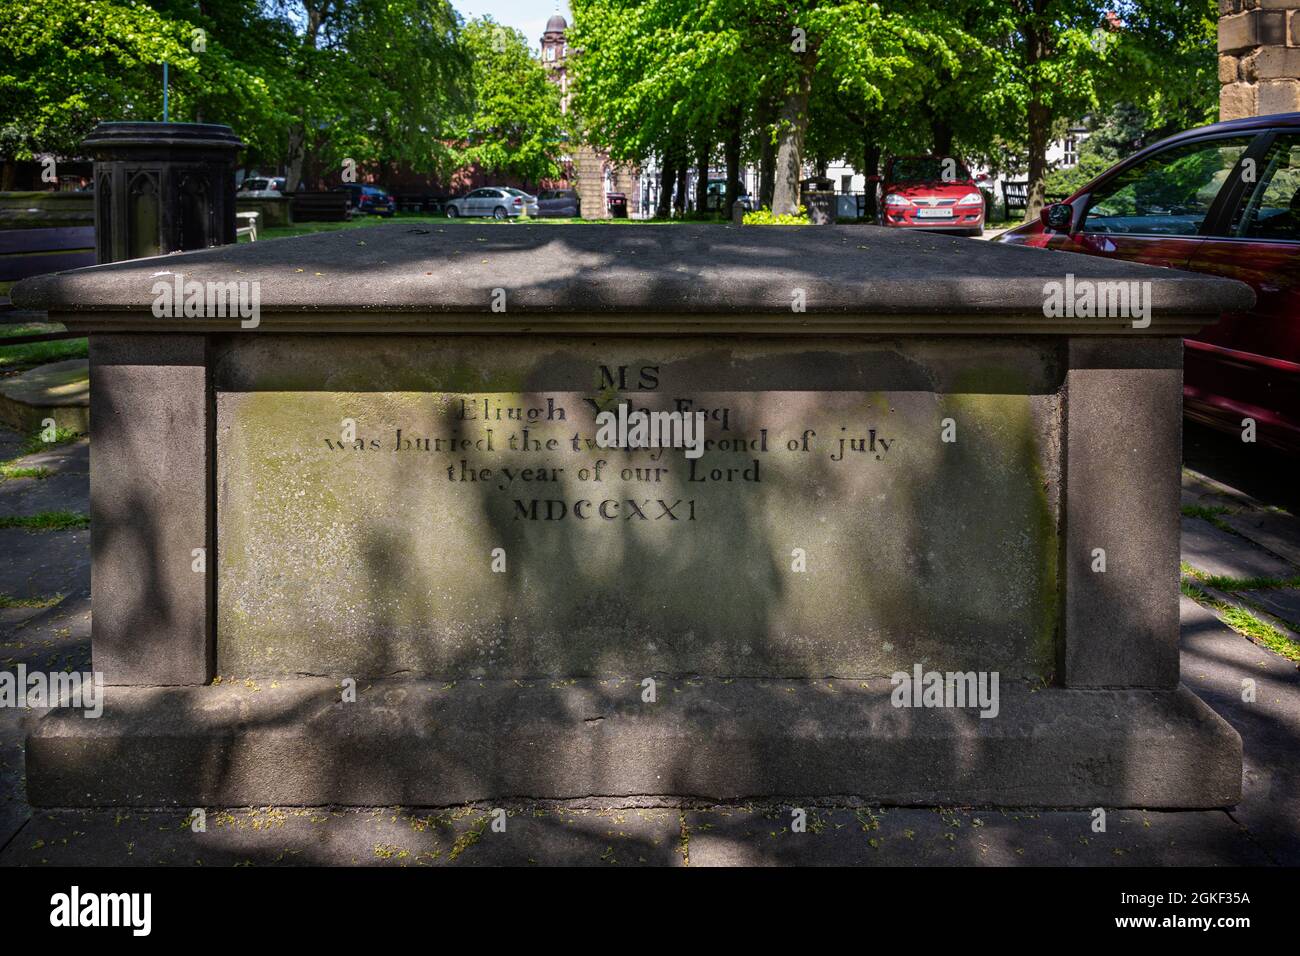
x=1223, y=199
x=931, y=192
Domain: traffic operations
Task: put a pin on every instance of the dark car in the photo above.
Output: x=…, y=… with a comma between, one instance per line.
x=369, y=199
x=717, y=189
x=559, y=204
x=1225, y=200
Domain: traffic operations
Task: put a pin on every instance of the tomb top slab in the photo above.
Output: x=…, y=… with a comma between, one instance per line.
x=672, y=278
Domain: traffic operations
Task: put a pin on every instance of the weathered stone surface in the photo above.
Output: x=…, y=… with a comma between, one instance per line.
x=1275, y=531
x=434, y=744
x=58, y=391
x=66, y=487
x=1237, y=100
x=1217, y=665
x=547, y=835
x=366, y=563
x=1283, y=602
x=1220, y=553
x=1123, y=454
x=899, y=836
x=427, y=276
x=149, y=507
x=41, y=564
x=376, y=561
x=1228, y=67
x=1279, y=96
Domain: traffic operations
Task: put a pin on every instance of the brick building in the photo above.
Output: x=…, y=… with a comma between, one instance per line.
x=594, y=173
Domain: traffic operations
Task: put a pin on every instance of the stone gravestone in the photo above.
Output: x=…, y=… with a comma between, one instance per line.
x=358, y=538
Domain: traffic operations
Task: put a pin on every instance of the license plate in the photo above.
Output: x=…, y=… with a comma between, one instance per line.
x=934, y=214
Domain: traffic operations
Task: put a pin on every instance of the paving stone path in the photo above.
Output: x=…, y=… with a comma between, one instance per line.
x=1230, y=539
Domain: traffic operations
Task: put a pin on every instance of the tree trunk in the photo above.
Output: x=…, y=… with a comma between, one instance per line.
x=731, y=150
x=1039, y=114
x=316, y=13
x=1040, y=126
x=792, y=125
x=702, y=178
x=667, y=177
x=870, y=167
x=942, y=135
x=766, y=169
x=297, y=155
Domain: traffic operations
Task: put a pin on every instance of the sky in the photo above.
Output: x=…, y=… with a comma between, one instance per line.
x=529, y=16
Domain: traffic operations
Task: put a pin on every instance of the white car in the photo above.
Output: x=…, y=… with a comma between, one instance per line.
x=261, y=187
x=499, y=202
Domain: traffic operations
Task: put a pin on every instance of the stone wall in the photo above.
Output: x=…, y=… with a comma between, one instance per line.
x=589, y=171
x=1259, y=57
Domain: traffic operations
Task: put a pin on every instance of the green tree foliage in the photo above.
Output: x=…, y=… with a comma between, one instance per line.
x=305, y=83
x=65, y=65
x=374, y=81
x=514, y=123
x=817, y=80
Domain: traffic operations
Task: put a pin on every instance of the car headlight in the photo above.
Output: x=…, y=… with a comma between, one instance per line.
x=971, y=199
x=897, y=199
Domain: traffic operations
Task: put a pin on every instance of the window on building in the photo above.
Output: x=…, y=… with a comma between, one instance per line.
x=1071, y=157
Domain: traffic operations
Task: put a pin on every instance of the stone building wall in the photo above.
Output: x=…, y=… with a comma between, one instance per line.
x=589, y=173
x=1259, y=57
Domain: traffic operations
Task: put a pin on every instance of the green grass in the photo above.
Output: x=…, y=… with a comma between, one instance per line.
x=32, y=444
x=1225, y=583
x=47, y=521
x=425, y=219
x=35, y=442
x=13, y=357
x=1244, y=623
x=1213, y=515
x=7, y=602
x=19, y=471
x=1200, y=511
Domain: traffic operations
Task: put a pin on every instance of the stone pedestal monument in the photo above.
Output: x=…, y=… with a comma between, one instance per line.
x=360, y=536
x=162, y=187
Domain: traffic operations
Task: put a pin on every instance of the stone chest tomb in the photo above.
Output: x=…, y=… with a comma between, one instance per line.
x=361, y=545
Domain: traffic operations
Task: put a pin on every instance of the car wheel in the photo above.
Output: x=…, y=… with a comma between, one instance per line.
x=451, y=212
x=976, y=232
x=499, y=212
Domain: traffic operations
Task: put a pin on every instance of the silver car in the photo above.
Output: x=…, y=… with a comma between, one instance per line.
x=261, y=187
x=499, y=202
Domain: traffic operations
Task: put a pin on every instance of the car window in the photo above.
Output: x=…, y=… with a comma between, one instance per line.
x=1169, y=194
x=926, y=169
x=255, y=184
x=1272, y=209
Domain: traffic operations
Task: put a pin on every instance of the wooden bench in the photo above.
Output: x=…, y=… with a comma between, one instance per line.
x=1015, y=195
x=34, y=252
x=320, y=207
